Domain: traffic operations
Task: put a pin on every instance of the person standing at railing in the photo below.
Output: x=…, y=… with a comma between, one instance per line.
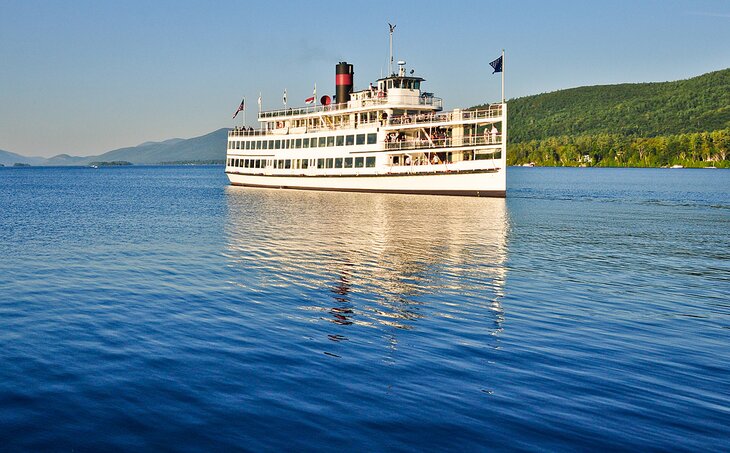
x=494, y=134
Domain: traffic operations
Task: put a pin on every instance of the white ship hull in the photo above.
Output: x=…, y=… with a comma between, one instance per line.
x=486, y=183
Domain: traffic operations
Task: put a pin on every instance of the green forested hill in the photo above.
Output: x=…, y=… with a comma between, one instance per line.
x=686, y=122
x=700, y=104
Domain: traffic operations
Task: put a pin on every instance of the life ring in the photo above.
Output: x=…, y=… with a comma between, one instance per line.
x=280, y=124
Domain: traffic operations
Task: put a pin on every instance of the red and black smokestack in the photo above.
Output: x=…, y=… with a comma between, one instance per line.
x=343, y=82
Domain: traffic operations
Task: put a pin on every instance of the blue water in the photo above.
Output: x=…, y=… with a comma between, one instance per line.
x=152, y=308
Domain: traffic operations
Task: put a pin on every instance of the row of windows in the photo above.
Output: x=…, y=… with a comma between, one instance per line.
x=312, y=142
x=330, y=162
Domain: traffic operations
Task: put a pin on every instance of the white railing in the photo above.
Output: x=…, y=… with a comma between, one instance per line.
x=244, y=132
x=449, y=142
x=494, y=111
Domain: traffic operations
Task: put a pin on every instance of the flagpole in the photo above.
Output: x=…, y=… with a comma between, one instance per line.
x=503, y=67
x=244, y=112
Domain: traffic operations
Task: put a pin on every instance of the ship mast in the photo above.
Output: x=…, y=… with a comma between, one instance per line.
x=392, y=28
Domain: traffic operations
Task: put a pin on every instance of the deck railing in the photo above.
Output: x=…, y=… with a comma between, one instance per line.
x=449, y=142
x=494, y=111
x=424, y=119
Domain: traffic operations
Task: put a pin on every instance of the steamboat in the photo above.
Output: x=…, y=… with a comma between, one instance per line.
x=390, y=137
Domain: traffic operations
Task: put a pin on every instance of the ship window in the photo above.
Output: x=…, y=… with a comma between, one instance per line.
x=313, y=142
x=340, y=140
x=329, y=162
x=322, y=141
x=305, y=143
x=320, y=163
x=277, y=144
x=338, y=162
x=390, y=84
x=370, y=161
x=331, y=141
x=305, y=163
x=359, y=162
x=348, y=162
x=350, y=140
x=417, y=84
x=271, y=144
x=298, y=143
x=360, y=139
x=287, y=163
x=264, y=144
x=372, y=138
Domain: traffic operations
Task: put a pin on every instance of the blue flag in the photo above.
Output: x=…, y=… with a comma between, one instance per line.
x=497, y=65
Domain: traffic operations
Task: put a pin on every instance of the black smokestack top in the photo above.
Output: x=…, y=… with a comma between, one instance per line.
x=343, y=82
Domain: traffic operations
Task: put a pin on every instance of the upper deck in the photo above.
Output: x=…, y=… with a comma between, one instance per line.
x=432, y=119
x=370, y=102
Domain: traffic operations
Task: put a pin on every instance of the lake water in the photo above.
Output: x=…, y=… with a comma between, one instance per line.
x=152, y=308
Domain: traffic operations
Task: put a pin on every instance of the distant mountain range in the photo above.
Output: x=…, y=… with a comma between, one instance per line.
x=206, y=148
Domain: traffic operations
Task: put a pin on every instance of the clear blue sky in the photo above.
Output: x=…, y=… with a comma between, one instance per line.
x=83, y=77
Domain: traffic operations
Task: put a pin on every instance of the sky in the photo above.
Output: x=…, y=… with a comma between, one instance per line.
x=84, y=77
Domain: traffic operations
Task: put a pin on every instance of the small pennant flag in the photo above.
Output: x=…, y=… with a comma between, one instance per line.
x=284, y=98
x=259, y=101
x=496, y=65
x=240, y=107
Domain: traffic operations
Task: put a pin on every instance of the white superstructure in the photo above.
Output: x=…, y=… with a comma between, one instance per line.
x=389, y=137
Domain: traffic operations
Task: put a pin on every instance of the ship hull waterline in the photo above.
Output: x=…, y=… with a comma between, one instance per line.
x=475, y=184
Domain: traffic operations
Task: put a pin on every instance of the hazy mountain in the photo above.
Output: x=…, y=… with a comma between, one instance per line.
x=9, y=159
x=65, y=159
x=209, y=147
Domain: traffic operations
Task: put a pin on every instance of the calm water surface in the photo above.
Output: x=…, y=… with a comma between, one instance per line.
x=159, y=308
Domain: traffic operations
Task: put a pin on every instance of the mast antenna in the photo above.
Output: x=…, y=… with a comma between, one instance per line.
x=392, y=28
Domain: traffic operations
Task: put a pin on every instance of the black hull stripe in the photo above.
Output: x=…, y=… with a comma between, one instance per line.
x=461, y=193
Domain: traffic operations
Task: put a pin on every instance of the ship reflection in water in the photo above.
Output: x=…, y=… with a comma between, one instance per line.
x=358, y=262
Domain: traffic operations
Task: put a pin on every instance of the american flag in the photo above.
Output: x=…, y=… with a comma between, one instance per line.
x=240, y=107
